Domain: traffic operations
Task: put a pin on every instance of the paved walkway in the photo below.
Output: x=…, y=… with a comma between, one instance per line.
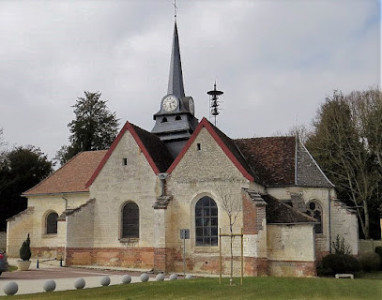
x=32, y=281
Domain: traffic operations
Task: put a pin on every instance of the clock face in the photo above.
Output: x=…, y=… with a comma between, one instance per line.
x=170, y=103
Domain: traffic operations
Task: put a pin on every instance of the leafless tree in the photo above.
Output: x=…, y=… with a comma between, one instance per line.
x=233, y=209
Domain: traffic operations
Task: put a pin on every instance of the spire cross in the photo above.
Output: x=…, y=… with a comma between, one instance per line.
x=175, y=9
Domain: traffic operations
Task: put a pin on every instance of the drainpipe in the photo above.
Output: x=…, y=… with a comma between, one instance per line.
x=66, y=201
x=330, y=222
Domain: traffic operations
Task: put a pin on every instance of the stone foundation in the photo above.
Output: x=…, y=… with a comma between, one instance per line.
x=170, y=260
x=292, y=268
x=140, y=258
x=48, y=252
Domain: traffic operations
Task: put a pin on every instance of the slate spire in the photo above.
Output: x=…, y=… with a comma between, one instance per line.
x=175, y=82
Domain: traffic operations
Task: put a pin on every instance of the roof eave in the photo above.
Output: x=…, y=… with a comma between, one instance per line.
x=54, y=194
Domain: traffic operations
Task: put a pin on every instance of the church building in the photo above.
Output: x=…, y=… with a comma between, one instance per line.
x=128, y=206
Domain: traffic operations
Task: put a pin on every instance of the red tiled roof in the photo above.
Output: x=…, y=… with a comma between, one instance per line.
x=271, y=158
x=71, y=177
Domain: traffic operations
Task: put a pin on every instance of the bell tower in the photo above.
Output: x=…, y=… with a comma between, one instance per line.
x=175, y=121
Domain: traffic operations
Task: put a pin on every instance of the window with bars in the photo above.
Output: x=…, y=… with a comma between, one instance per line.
x=51, y=223
x=314, y=210
x=130, y=220
x=206, y=222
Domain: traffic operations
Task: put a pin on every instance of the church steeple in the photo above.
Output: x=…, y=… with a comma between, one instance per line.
x=175, y=121
x=175, y=81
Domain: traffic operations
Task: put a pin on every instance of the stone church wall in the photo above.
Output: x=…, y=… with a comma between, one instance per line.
x=318, y=195
x=80, y=226
x=52, y=245
x=115, y=185
x=345, y=225
x=291, y=250
x=18, y=227
x=205, y=170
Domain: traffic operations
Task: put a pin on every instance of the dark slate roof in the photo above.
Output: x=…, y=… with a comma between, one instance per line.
x=271, y=158
x=155, y=147
x=308, y=171
x=175, y=82
x=281, y=213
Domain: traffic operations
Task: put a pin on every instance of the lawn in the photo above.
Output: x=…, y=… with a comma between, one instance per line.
x=253, y=288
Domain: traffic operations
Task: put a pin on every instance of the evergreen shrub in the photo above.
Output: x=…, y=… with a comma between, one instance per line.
x=338, y=263
x=378, y=250
x=25, y=250
x=369, y=262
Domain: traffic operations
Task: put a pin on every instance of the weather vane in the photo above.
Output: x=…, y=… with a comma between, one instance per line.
x=175, y=9
x=214, y=102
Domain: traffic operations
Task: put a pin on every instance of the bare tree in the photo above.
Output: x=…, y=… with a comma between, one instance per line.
x=232, y=208
x=301, y=131
x=347, y=143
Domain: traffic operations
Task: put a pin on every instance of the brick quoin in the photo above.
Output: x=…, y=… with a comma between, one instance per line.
x=255, y=266
x=249, y=216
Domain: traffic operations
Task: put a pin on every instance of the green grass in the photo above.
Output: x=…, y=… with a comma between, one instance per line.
x=253, y=288
x=12, y=268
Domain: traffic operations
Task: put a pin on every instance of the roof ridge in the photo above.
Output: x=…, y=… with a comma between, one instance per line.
x=266, y=137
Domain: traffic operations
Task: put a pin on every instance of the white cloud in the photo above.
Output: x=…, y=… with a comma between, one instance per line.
x=276, y=61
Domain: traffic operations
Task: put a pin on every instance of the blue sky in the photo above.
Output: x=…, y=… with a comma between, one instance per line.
x=275, y=60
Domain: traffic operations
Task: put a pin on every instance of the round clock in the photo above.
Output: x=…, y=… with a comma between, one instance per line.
x=170, y=103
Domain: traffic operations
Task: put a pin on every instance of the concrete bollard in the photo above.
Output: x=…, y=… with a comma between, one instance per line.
x=79, y=283
x=126, y=279
x=144, y=277
x=173, y=277
x=159, y=277
x=49, y=286
x=11, y=288
x=105, y=281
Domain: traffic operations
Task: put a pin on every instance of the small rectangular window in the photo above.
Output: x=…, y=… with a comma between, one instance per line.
x=124, y=161
x=199, y=146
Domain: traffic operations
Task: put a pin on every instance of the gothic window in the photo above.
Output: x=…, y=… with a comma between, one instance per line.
x=314, y=210
x=51, y=223
x=206, y=222
x=130, y=220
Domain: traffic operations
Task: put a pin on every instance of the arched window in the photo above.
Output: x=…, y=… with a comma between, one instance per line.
x=51, y=223
x=314, y=210
x=130, y=220
x=206, y=222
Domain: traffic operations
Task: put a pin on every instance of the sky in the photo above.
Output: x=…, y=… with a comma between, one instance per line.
x=276, y=61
